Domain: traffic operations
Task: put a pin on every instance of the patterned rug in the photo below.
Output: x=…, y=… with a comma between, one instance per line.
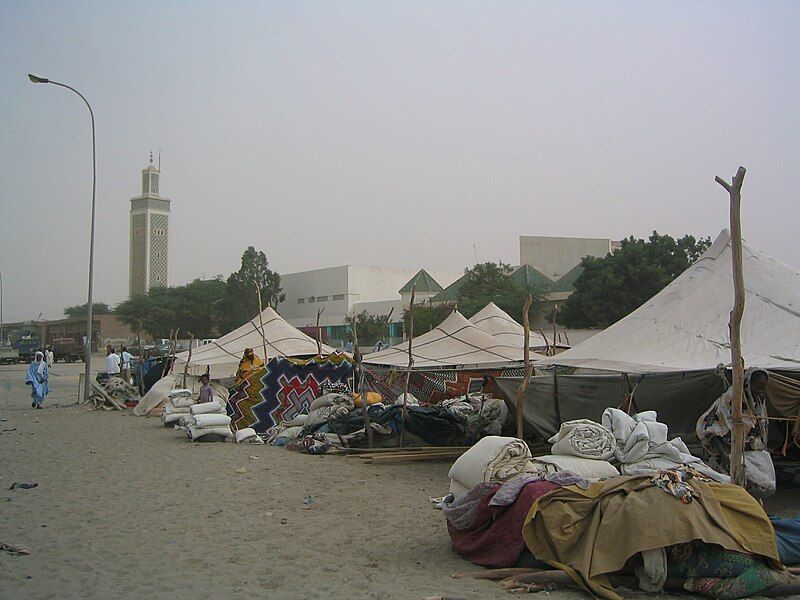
x=284, y=389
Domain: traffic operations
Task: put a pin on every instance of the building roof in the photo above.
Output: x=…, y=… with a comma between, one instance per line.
x=566, y=283
x=450, y=293
x=685, y=326
x=528, y=277
x=421, y=282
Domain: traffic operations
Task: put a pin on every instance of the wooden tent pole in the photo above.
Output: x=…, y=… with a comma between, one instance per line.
x=166, y=358
x=526, y=322
x=261, y=322
x=357, y=386
x=734, y=189
x=410, y=364
x=189, y=359
x=319, y=333
x=555, y=314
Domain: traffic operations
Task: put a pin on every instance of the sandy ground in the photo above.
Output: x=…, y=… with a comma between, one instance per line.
x=126, y=508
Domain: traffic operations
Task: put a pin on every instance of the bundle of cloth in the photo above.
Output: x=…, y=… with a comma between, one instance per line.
x=247, y=435
x=178, y=404
x=582, y=447
x=493, y=459
x=642, y=446
x=121, y=390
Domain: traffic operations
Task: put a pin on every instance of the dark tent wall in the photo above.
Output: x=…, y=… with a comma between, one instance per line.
x=550, y=399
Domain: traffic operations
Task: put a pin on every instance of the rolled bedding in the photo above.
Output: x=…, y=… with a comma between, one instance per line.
x=172, y=418
x=181, y=393
x=585, y=439
x=213, y=407
x=154, y=396
x=589, y=468
x=212, y=420
x=195, y=433
x=247, y=435
x=493, y=458
x=331, y=399
x=298, y=421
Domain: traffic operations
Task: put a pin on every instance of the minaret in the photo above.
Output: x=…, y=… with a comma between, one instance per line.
x=149, y=255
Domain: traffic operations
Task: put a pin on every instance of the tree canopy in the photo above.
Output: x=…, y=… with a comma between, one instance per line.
x=370, y=328
x=612, y=287
x=242, y=301
x=426, y=317
x=98, y=308
x=492, y=282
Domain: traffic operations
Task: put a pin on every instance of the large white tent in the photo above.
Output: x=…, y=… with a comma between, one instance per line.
x=222, y=356
x=497, y=323
x=455, y=343
x=685, y=326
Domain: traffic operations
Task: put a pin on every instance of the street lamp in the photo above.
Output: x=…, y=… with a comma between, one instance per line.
x=88, y=353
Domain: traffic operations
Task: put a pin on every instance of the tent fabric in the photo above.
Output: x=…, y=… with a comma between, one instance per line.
x=685, y=326
x=496, y=322
x=454, y=343
x=222, y=356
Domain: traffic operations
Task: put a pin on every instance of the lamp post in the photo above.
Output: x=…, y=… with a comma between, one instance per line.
x=2, y=339
x=88, y=352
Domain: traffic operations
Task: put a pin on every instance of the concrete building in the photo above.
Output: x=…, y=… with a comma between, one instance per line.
x=107, y=329
x=149, y=235
x=346, y=290
x=554, y=257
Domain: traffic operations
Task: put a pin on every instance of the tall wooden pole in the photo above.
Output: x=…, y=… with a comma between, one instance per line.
x=357, y=385
x=526, y=322
x=555, y=314
x=261, y=322
x=189, y=359
x=734, y=189
x=319, y=333
x=410, y=364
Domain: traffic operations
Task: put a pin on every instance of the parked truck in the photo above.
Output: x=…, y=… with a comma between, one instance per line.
x=8, y=355
x=26, y=348
x=67, y=350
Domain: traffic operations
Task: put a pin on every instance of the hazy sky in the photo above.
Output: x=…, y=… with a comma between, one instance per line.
x=386, y=133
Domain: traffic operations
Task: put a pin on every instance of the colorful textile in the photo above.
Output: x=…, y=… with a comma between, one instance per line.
x=249, y=364
x=432, y=387
x=284, y=389
x=674, y=481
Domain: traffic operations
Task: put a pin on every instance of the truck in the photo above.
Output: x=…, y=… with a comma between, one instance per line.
x=26, y=348
x=8, y=355
x=67, y=350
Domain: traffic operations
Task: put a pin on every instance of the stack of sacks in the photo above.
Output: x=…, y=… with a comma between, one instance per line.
x=177, y=406
x=247, y=435
x=328, y=406
x=201, y=425
x=582, y=447
x=642, y=446
x=493, y=458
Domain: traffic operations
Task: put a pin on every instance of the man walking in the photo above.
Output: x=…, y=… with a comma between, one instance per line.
x=112, y=363
x=126, y=358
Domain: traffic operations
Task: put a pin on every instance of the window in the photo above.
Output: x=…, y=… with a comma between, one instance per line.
x=301, y=300
x=311, y=299
x=322, y=298
x=338, y=297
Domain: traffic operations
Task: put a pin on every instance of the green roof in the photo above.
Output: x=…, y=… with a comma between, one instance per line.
x=450, y=293
x=567, y=281
x=421, y=282
x=527, y=277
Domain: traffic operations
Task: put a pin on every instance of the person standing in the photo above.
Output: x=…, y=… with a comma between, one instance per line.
x=38, y=374
x=206, y=391
x=126, y=358
x=49, y=356
x=112, y=363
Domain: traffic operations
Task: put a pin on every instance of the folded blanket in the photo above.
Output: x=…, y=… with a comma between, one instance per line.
x=212, y=420
x=583, y=438
x=247, y=435
x=195, y=433
x=493, y=458
x=589, y=468
x=181, y=393
x=215, y=406
x=170, y=407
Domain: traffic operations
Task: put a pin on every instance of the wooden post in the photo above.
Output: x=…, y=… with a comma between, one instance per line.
x=319, y=333
x=546, y=343
x=141, y=362
x=166, y=358
x=189, y=359
x=526, y=322
x=410, y=364
x=555, y=313
x=357, y=386
x=261, y=321
x=734, y=189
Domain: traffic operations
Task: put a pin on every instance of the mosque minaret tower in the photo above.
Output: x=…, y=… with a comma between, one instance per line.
x=149, y=253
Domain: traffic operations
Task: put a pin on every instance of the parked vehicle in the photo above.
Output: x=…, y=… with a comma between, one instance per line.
x=67, y=350
x=8, y=355
x=26, y=348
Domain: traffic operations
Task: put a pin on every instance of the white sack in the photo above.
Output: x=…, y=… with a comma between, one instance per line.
x=247, y=435
x=583, y=438
x=171, y=418
x=154, y=396
x=212, y=420
x=298, y=421
x=195, y=433
x=331, y=399
x=493, y=458
x=584, y=467
x=213, y=407
x=181, y=393
x=759, y=472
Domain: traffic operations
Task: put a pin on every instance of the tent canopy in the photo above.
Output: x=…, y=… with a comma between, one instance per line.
x=497, y=323
x=455, y=343
x=685, y=326
x=223, y=354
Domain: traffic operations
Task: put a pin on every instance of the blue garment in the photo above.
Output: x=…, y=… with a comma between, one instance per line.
x=787, y=537
x=38, y=381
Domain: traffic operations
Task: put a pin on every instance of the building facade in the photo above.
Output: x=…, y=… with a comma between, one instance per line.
x=149, y=235
x=554, y=257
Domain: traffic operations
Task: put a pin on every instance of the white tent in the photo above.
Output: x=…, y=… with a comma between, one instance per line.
x=222, y=356
x=685, y=326
x=497, y=323
x=455, y=343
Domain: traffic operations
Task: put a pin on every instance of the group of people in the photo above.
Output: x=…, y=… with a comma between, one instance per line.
x=119, y=365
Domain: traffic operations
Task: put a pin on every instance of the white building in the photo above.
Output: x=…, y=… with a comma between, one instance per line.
x=346, y=290
x=554, y=257
x=149, y=235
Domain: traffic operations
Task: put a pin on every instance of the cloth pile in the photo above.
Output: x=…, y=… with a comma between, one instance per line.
x=177, y=406
x=492, y=459
x=122, y=391
x=582, y=447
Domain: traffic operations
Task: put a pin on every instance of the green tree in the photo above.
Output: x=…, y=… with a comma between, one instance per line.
x=492, y=282
x=370, y=328
x=614, y=286
x=149, y=311
x=242, y=302
x=426, y=317
x=98, y=308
